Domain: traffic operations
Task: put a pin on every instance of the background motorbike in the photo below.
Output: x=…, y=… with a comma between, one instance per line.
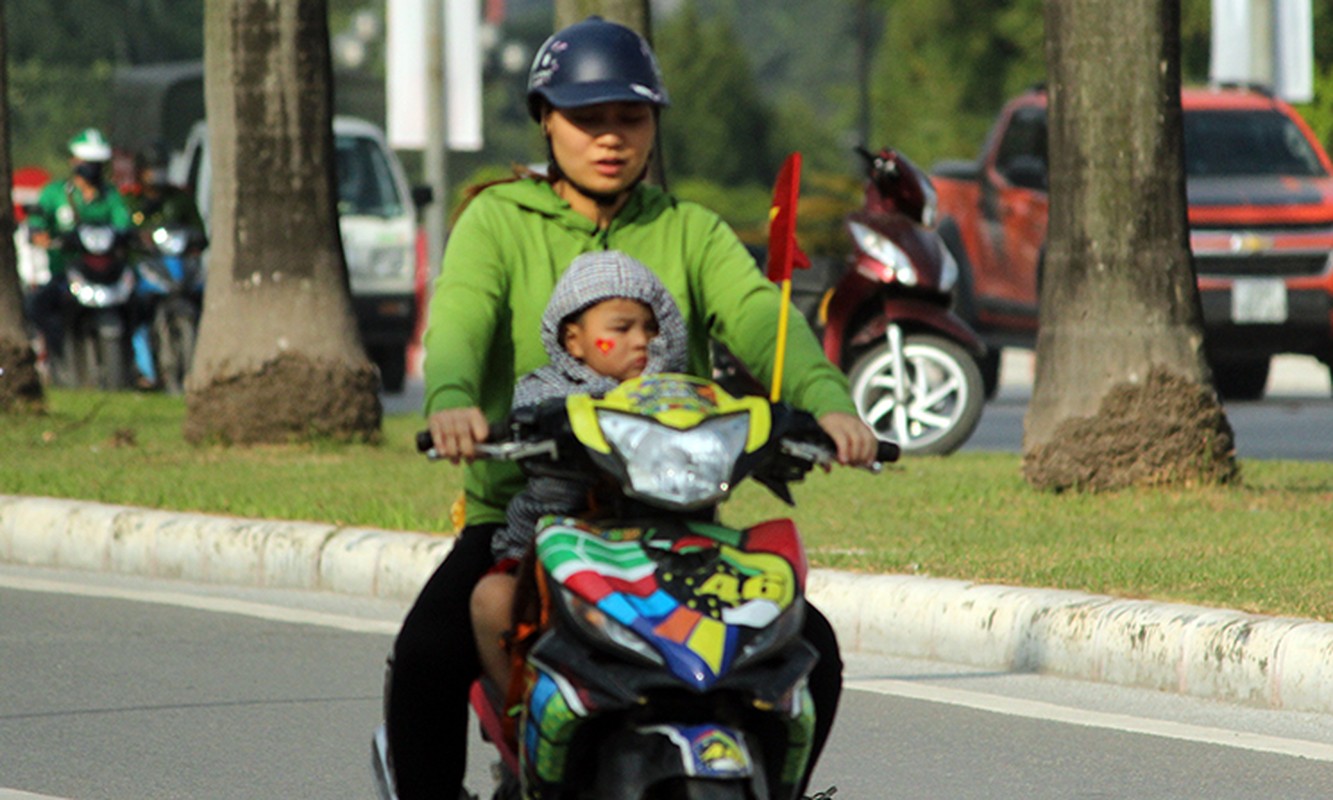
x=911, y=361
x=170, y=291
x=670, y=664
x=96, y=312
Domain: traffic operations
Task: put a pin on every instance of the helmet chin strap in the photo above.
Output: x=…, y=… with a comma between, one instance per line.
x=602, y=199
x=606, y=199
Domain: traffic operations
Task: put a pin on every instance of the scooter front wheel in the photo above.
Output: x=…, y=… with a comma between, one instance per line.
x=928, y=398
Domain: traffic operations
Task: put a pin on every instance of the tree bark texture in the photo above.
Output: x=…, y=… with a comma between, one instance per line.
x=279, y=355
x=20, y=385
x=634, y=14
x=1120, y=340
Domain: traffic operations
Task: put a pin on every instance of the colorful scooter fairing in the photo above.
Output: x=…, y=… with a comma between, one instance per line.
x=682, y=638
x=675, y=640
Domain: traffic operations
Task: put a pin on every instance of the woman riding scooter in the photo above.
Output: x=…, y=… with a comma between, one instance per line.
x=596, y=91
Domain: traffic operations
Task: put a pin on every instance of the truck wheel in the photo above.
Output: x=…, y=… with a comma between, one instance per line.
x=989, y=365
x=933, y=407
x=1242, y=379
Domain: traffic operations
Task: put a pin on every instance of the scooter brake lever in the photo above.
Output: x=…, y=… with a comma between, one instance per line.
x=816, y=454
x=499, y=451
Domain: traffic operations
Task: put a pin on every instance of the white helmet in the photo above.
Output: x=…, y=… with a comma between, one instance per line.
x=90, y=145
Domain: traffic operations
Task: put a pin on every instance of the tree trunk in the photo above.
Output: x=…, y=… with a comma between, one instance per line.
x=279, y=356
x=634, y=14
x=1122, y=394
x=20, y=386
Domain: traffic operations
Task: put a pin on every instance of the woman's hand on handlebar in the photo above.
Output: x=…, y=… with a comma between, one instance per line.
x=456, y=432
x=855, y=441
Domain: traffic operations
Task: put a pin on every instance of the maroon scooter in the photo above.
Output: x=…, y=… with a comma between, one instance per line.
x=911, y=361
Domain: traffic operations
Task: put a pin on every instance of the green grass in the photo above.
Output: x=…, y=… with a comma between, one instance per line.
x=1265, y=546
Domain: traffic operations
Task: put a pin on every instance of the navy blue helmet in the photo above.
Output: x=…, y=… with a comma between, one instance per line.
x=594, y=61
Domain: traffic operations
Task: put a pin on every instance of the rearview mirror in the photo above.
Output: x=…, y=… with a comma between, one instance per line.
x=422, y=196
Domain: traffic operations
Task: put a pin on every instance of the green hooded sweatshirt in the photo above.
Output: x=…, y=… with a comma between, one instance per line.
x=503, y=258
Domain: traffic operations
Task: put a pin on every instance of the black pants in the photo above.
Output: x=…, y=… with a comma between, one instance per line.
x=435, y=662
x=47, y=307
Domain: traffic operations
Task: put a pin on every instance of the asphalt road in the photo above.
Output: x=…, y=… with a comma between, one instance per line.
x=1294, y=420
x=117, y=688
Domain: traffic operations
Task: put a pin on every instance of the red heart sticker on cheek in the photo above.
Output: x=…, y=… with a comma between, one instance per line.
x=605, y=345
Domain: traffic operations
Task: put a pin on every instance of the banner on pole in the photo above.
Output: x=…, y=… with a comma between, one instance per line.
x=407, y=39
x=783, y=252
x=1264, y=42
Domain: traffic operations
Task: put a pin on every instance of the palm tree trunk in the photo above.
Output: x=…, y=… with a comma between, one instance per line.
x=279, y=355
x=1122, y=393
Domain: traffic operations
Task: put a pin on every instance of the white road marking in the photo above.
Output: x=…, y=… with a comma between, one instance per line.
x=222, y=605
x=15, y=794
x=1035, y=709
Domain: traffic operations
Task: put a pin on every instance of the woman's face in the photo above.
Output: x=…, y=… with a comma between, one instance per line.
x=602, y=149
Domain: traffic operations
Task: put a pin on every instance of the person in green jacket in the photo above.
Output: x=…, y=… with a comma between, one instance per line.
x=596, y=91
x=86, y=197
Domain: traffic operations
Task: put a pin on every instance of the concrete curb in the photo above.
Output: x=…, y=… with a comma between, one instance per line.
x=1227, y=655
x=72, y=534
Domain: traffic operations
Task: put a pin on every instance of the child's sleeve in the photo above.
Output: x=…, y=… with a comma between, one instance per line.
x=543, y=496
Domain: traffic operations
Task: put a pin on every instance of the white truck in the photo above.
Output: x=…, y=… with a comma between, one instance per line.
x=377, y=213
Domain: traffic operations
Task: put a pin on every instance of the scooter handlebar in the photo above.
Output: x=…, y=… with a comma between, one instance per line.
x=492, y=451
x=887, y=452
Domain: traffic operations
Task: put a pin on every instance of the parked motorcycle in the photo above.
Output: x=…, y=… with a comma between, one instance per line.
x=171, y=288
x=911, y=361
x=96, y=323
x=662, y=655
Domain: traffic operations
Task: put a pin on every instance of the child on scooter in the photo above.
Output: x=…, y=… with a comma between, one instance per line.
x=609, y=319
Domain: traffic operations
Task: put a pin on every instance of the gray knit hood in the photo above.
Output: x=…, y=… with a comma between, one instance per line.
x=590, y=279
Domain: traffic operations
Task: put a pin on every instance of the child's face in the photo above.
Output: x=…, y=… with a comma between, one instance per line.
x=612, y=337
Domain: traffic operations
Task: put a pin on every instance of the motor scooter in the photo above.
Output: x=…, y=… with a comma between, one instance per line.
x=911, y=361
x=660, y=656
x=100, y=284
x=170, y=290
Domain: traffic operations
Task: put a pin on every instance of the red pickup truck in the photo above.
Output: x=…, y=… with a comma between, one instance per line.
x=1260, y=196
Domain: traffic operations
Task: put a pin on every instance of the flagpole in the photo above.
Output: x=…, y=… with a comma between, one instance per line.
x=780, y=357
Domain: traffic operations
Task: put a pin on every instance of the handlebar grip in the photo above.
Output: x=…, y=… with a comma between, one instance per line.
x=887, y=452
x=424, y=441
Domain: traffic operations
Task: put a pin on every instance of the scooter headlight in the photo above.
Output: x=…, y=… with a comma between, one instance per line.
x=683, y=469
x=948, y=269
x=171, y=241
x=101, y=295
x=930, y=205
x=97, y=239
x=601, y=629
x=879, y=247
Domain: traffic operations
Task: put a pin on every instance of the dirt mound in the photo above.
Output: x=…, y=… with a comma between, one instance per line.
x=20, y=385
x=1164, y=431
x=290, y=398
